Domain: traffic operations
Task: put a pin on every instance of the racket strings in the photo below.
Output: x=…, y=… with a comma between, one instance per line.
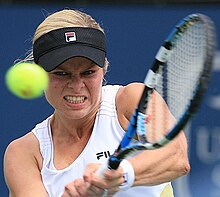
x=158, y=116
x=182, y=72
x=151, y=129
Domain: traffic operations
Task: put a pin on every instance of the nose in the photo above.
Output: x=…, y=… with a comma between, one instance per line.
x=76, y=83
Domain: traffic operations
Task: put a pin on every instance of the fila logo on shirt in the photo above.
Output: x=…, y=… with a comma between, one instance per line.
x=104, y=154
x=70, y=36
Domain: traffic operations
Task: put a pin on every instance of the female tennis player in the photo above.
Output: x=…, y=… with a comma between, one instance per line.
x=61, y=155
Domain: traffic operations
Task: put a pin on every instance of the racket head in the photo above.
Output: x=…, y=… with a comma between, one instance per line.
x=185, y=76
x=174, y=87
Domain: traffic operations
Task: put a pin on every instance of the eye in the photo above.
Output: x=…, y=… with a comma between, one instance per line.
x=60, y=73
x=88, y=72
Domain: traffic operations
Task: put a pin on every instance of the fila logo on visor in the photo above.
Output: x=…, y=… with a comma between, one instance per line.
x=70, y=36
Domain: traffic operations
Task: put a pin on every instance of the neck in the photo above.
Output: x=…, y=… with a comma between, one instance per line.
x=75, y=130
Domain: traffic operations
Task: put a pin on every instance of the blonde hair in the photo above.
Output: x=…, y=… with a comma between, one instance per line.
x=62, y=19
x=65, y=18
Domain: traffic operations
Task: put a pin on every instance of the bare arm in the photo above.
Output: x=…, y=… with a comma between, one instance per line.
x=153, y=166
x=161, y=165
x=21, y=168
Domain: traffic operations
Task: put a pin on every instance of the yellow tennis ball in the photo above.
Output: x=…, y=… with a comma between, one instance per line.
x=26, y=80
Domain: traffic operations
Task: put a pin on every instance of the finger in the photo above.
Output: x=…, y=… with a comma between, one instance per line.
x=81, y=187
x=111, y=191
x=91, y=168
x=114, y=178
x=112, y=185
x=70, y=191
x=94, y=180
x=76, y=188
x=95, y=191
x=114, y=174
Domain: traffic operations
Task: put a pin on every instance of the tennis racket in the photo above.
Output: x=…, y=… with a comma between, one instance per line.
x=180, y=74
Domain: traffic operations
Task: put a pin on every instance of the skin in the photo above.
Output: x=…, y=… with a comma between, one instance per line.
x=71, y=125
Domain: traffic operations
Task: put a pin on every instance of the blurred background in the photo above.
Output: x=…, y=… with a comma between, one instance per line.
x=135, y=30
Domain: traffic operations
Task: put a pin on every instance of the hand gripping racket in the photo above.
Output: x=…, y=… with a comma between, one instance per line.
x=180, y=74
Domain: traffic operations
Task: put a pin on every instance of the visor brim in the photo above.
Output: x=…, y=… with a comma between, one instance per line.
x=56, y=57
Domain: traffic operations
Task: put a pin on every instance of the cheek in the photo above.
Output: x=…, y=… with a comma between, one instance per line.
x=53, y=90
x=94, y=88
x=55, y=84
x=50, y=94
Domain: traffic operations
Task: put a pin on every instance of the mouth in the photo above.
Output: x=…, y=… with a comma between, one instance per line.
x=75, y=99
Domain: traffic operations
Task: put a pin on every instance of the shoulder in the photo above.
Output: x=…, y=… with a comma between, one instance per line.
x=127, y=98
x=21, y=162
x=130, y=95
x=126, y=101
x=23, y=142
x=22, y=149
x=133, y=90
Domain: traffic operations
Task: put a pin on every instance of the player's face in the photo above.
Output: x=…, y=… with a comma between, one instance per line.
x=75, y=88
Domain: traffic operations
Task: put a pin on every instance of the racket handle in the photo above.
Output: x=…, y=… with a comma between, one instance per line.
x=112, y=163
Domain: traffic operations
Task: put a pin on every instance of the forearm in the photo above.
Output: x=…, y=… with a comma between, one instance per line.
x=162, y=165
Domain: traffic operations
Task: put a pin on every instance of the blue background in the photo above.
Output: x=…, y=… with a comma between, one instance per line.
x=134, y=34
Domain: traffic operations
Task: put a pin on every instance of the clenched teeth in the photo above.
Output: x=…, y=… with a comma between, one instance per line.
x=75, y=99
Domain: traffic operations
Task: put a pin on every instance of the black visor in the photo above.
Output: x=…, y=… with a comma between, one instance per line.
x=57, y=46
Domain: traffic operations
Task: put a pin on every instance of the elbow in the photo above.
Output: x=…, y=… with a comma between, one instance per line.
x=183, y=164
x=184, y=168
x=182, y=155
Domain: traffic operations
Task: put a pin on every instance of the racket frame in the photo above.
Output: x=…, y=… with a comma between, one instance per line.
x=160, y=61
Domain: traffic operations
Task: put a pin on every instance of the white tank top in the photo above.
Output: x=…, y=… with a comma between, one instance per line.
x=106, y=136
